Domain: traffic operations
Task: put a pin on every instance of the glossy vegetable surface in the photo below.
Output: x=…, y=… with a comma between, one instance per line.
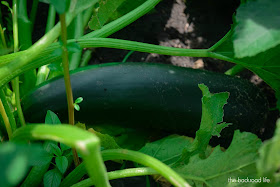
x=148, y=95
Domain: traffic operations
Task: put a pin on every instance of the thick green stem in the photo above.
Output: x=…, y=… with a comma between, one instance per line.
x=119, y=174
x=67, y=81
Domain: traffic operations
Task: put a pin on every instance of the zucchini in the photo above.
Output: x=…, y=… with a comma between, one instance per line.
x=148, y=95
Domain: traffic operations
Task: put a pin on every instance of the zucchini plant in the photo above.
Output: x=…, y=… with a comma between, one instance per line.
x=127, y=112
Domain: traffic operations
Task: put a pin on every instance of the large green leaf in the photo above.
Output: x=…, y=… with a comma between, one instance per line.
x=239, y=160
x=265, y=64
x=257, y=27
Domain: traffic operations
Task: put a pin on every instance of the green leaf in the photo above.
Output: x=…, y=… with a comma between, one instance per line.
x=15, y=160
x=110, y=10
x=60, y=6
x=257, y=27
x=239, y=160
x=107, y=141
x=79, y=100
x=211, y=120
x=55, y=149
x=78, y=6
x=52, y=178
x=61, y=163
x=52, y=118
x=169, y=149
x=64, y=147
x=269, y=161
x=77, y=107
x=266, y=64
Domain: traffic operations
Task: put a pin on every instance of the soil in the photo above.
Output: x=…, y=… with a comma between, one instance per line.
x=194, y=24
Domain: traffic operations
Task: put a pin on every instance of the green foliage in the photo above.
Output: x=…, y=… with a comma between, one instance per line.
x=257, y=27
x=60, y=6
x=109, y=10
x=269, y=162
x=16, y=159
x=52, y=118
x=52, y=178
x=61, y=163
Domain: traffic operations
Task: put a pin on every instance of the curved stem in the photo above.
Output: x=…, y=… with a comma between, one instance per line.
x=85, y=142
x=125, y=20
x=18, y=104
x=120, y=174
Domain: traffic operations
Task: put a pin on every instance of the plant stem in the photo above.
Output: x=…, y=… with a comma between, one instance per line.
x=132, y=172
x=33, y=13
x=8, y=110
x=127, y=56
x=6, y=120
x=3, y=37
x=16, y=80
x=235, y=70
x=86, y=57
x=67, y=81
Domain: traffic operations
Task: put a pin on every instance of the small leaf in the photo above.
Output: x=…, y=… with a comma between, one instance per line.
x=64, y=147
x=52, y=118
x=77, y=107
x=79, y=100
x=52, y=178
x=60, y=6
x=80, y=5
x=61, y=163
x=55, y=149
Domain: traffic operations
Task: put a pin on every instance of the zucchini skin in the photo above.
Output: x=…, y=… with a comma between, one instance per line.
x=148, y=95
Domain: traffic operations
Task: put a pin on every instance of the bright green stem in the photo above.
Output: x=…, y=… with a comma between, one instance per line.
x=18, y=105
x=33, y=13
x=3, y=37
x=141, y=158
x=122, y=154
x=24, y=24
x=48, y=57
x=85, y=142
x=235, y=70
x=44, y=71
x=15, y=26
x=6, y=120
x=125, y=20
x=86, y=58
x=119, y=174
x=127, y=56
x=69, y=94
x=8, y=110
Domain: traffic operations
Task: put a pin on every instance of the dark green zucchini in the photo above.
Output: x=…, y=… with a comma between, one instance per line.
x=148, y=95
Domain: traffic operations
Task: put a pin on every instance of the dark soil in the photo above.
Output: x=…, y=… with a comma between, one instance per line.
x=194, y=24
